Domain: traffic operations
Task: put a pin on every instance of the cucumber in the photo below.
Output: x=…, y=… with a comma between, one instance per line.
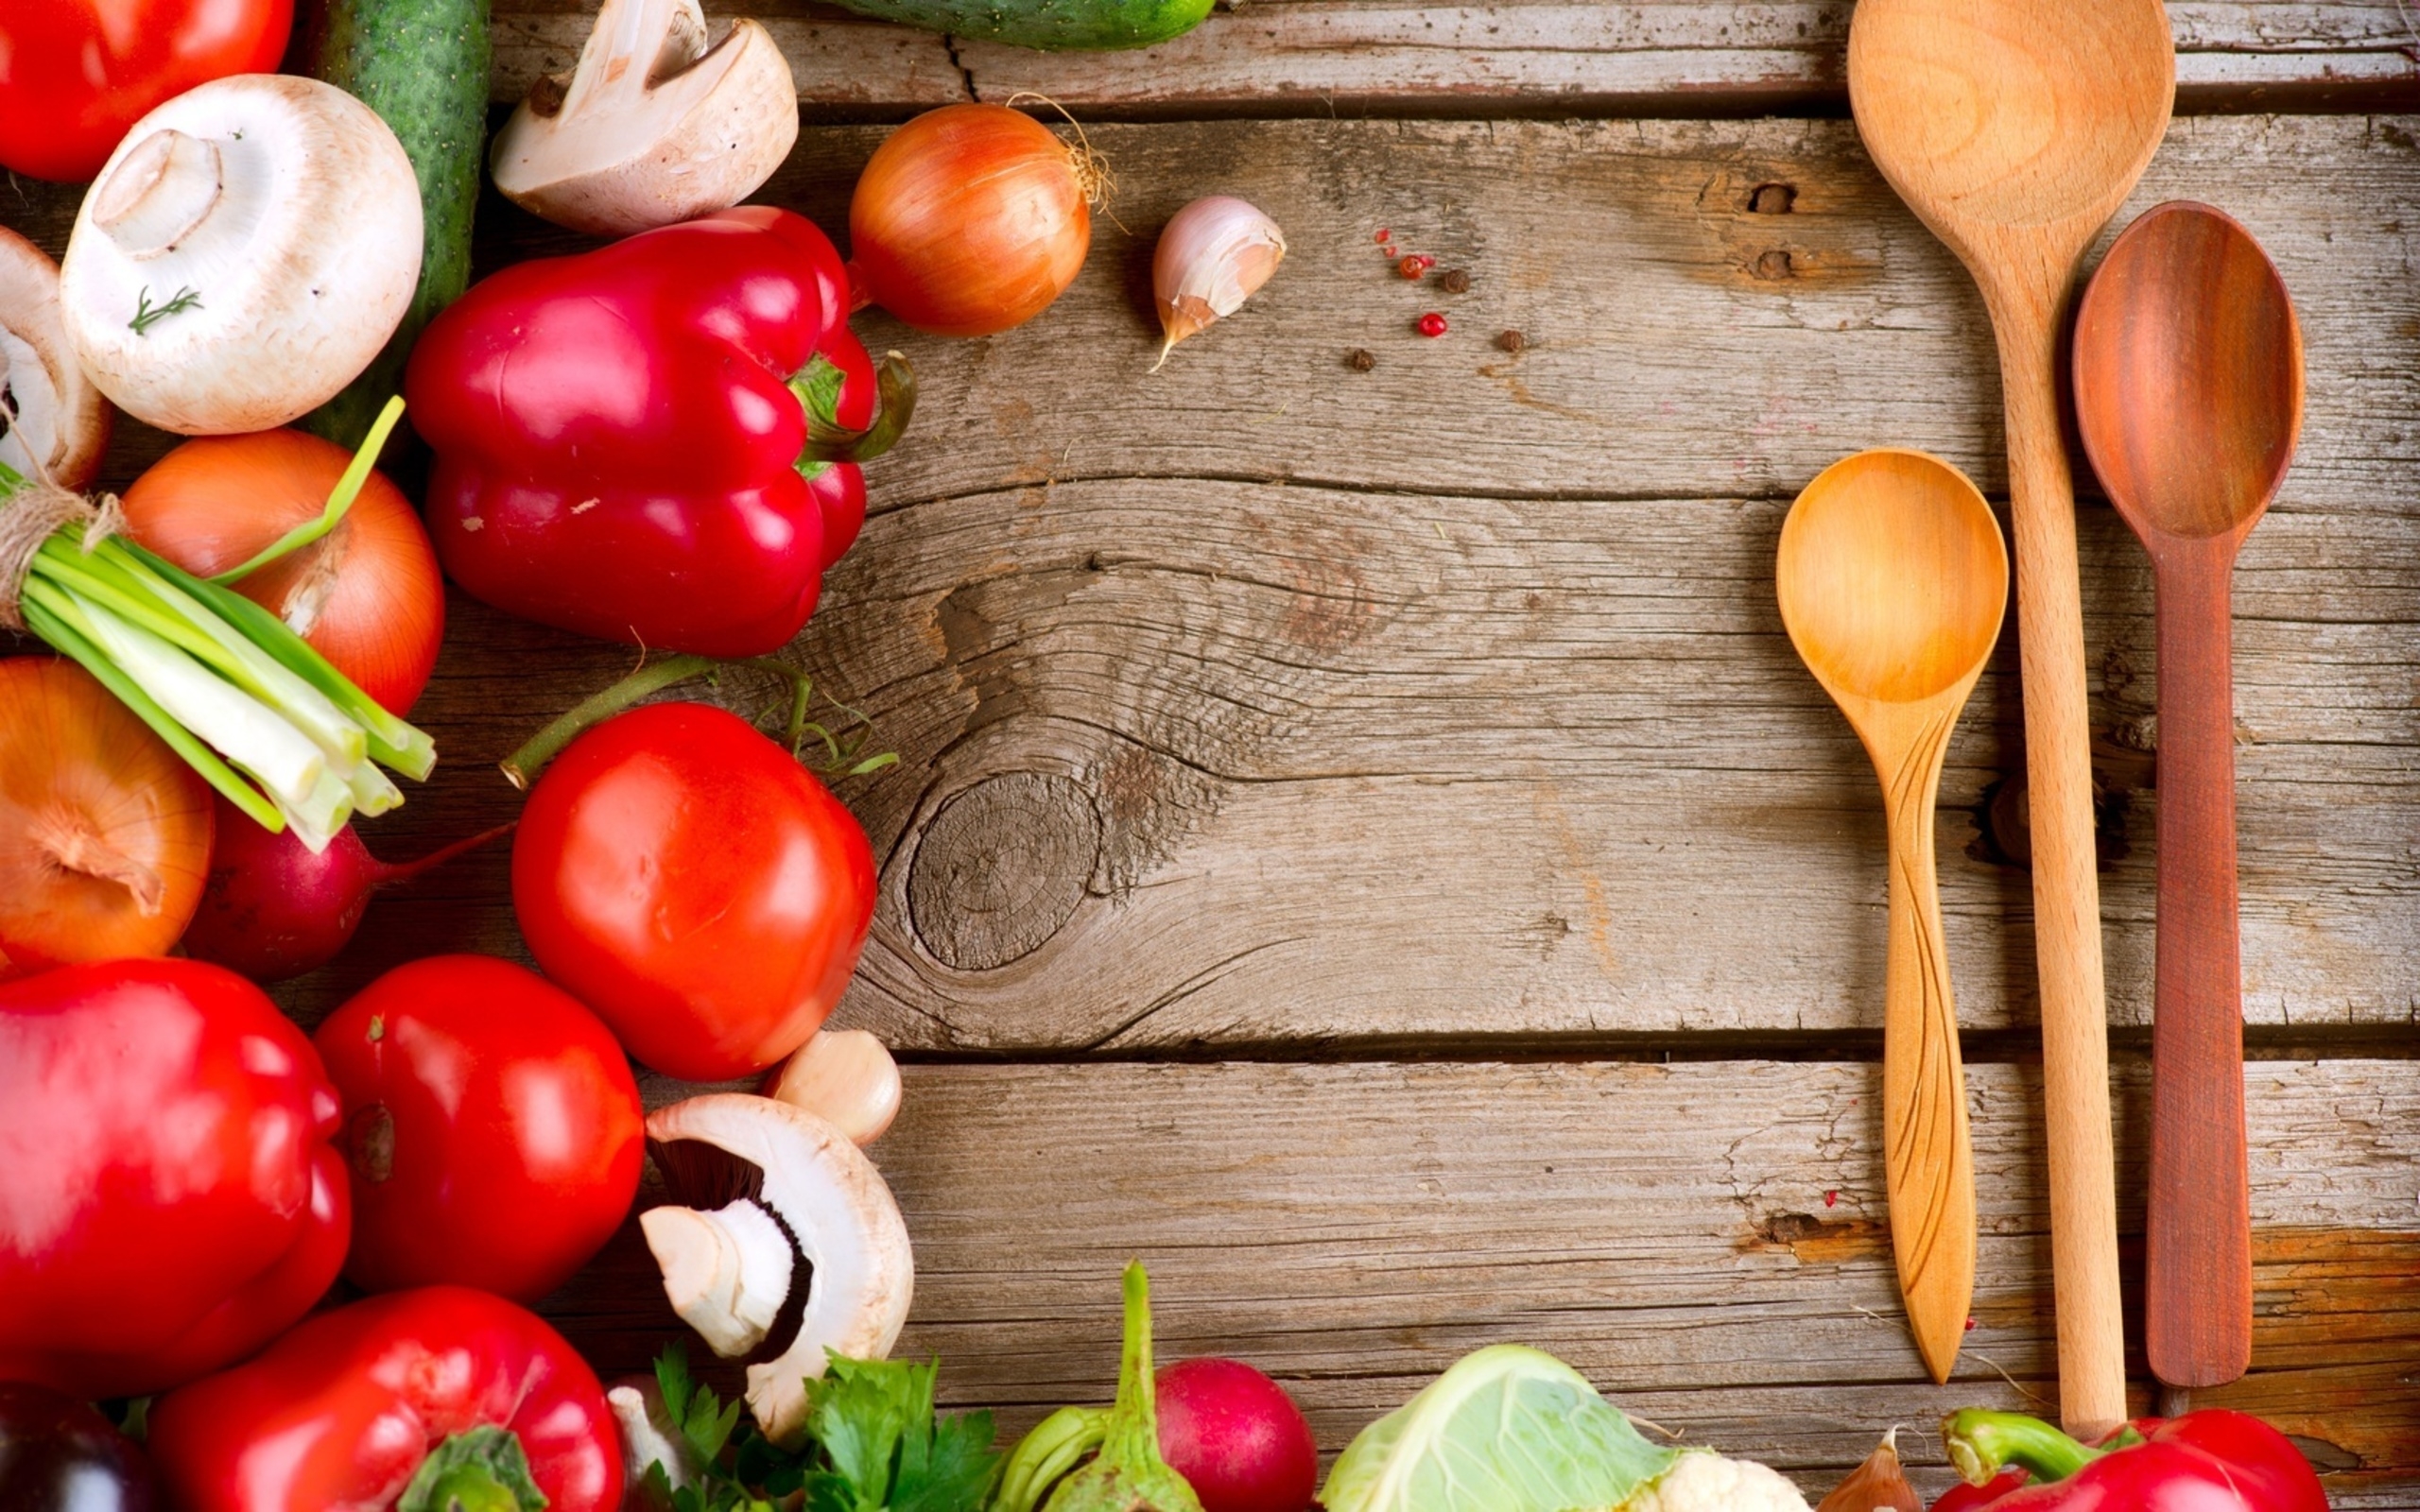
x=1047, y=26
x=423, y=66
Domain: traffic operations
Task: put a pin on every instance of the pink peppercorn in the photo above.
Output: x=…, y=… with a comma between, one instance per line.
x=1416, y=264
x=1432, y=324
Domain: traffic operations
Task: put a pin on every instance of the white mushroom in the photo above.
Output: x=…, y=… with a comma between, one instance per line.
x=651, y=126
x=246, y=251
x=52, y=420
x=844, y=1075
x=805, y=1193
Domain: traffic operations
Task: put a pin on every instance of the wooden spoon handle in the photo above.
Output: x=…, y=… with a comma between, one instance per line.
x=1928, y=1160
x=2198, y=1240
x=2066, y=888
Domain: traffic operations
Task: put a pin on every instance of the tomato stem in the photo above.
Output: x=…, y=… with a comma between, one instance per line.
x=654, y=677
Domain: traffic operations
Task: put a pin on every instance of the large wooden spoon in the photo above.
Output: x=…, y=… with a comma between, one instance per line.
x=2189, y=369
x=1893, y=580
x=2016, y=129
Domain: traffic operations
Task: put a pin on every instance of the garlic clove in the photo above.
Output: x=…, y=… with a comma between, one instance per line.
x=1211, y=258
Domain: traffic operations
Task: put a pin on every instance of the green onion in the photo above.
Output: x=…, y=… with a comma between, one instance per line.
x=261, y=715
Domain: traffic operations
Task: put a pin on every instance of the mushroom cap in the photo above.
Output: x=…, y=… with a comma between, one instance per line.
x=290, y=212
x=652, y=126
x=56, y=420
x=837, y=1205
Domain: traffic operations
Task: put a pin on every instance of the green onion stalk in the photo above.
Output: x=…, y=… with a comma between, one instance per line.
x=280, y=734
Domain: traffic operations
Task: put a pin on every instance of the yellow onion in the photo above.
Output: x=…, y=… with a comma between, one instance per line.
x=971, y=220
x=104, y=831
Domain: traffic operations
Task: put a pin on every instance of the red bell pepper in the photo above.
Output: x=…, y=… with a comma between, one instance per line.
x=652, y=441
x=2209, y=1461
x=170, y=1194
x=422, y=1401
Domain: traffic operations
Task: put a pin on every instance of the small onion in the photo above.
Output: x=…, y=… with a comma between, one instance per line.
x=104, y=831
x=366, y=595
x=1211, y=258
x=971, y=220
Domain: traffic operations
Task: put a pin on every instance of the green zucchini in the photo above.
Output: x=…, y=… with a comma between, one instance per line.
x=1047, y=25
x=423, y=66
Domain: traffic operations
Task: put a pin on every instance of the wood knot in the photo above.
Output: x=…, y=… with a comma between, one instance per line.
x=1001, y=867
x=1777, y=264
x=1772, y=200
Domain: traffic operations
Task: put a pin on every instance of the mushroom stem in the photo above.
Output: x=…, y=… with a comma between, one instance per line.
x=635, y=42
x=159, y=193
x=726, y=1272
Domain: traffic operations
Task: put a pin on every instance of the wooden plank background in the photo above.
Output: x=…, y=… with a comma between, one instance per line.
x=1363, y=842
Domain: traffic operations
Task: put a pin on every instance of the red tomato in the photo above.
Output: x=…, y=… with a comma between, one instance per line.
x=696, y=886
x=491, y=1123
x=74, y=75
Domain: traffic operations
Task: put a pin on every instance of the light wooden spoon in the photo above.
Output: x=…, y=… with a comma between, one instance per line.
x=2188, y=370
x=1893, y=580
x=2016, y=129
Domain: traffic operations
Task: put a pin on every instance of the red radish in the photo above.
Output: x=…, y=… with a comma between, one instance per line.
x=1236, y=1436
x=272, y=910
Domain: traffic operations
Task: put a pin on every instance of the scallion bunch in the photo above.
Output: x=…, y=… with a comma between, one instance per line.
x=264, y=718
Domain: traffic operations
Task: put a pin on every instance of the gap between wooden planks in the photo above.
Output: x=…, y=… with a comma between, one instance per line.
x=1324, y=57
x=1707, y=1243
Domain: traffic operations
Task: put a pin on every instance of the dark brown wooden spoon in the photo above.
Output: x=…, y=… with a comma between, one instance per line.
x=2189, y=383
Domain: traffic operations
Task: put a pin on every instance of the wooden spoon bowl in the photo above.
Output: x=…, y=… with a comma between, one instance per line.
x=2188, y=378
x=1893, y=580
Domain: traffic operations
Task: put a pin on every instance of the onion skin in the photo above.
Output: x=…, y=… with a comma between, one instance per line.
x=104, y=831
x=968, y=220
x=367, y=595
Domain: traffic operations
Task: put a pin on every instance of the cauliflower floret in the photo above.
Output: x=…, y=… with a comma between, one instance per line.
x=1709, y=1482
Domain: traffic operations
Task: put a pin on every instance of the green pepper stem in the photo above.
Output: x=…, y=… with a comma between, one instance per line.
x=1982, y=1442
x=543, y=746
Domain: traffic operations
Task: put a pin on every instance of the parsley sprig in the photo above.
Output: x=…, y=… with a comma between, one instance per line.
x=873, y=1444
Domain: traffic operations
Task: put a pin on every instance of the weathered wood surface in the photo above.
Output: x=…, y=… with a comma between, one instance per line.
x=1705, y=1241
x=1450, y=698
x=1325, y=58
x=1445, y=705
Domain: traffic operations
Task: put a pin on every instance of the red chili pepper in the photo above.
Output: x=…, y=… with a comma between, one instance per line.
x=652, y=441
x=418, y=1400
x=173, y=1200
x=2209, y=1461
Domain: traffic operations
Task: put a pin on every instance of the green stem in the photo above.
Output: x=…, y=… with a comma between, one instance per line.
x=348, y=489
x=895, y=397
x=1045, y=1456
x=1982, y=1442
x=1137, y=1418
x=543, y=746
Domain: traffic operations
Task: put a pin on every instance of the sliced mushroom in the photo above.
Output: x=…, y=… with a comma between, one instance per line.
x=782, y=1172
x=245, y=252
x=52, y=420
x=844, y=1075
x=651, y=126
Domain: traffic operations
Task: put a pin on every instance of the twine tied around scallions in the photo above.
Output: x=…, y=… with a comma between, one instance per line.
x=275, y=728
